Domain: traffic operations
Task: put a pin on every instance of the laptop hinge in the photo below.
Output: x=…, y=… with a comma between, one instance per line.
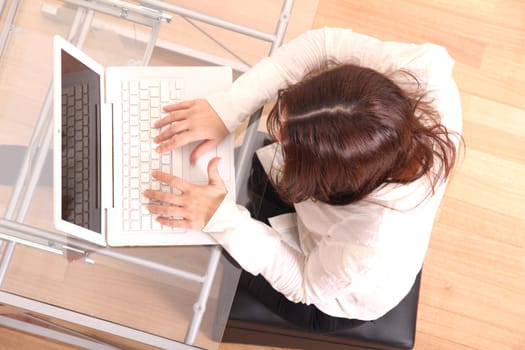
x=107, y=161
x=112, y=156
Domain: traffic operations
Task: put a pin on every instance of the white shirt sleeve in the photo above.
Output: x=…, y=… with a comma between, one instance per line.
x=332, y=267
x=308, y=52
x=257, y=247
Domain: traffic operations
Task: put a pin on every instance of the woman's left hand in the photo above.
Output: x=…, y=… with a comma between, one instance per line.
x=194, y=206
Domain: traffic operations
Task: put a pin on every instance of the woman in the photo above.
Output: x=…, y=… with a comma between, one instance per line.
x=363, y=157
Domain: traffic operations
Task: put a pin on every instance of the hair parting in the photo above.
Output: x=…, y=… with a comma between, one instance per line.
x=349, y=130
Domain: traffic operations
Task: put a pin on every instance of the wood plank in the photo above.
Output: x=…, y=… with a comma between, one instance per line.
x=490, y=182
x=384, y=20
x=497, y=143
x=480, y=222
x=494, y=115
x=500, y=78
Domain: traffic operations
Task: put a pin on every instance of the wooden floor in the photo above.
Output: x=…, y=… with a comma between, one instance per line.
x=473, y=288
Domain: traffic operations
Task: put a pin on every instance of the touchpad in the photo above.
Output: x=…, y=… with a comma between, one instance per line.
x=197, y=173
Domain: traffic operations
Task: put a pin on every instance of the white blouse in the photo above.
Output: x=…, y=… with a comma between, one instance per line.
x=358, y=260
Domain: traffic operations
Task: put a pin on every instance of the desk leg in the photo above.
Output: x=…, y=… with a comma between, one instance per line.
x=6, y=259
x=8, y=26
x=227, y=290
x=200, y=305
x=155, y=29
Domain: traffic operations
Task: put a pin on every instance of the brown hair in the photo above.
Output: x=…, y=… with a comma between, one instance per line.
x=349, y=130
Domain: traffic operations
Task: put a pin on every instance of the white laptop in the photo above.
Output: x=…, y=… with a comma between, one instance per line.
x=104, y=152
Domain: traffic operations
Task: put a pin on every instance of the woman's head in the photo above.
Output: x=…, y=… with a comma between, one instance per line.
x=348, y=130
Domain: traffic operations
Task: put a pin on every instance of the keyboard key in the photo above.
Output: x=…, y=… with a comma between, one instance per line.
x=154, y=92
x=144, y=96
x=133, y=87
x=144, y=105
x=165, y=91
x=146, y=222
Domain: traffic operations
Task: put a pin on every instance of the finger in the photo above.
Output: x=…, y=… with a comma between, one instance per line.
x=179, y=223
x=179, y=106
x=171, y=180
x=174, y=129
x=170, y=118
x=167, y=210
x=165, y=197
x=175, y=142
x=213, y=172
x=202, y=148
x=177, y=112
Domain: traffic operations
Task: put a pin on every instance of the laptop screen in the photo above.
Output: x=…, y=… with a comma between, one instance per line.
x=81, y=190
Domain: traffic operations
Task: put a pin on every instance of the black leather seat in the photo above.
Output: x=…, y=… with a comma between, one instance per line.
x=250, y=322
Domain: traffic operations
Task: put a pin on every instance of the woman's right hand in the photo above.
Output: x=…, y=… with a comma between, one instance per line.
x=187, y=122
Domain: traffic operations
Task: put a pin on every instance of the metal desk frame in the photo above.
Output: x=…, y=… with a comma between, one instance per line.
x=12, y=230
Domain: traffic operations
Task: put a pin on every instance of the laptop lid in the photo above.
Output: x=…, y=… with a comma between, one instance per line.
x=78, y=91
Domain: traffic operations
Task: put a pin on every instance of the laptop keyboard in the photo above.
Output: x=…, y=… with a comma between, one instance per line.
x=142, y=103
x=75, y=158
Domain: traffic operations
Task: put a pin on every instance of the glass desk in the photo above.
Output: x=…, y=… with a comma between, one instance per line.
x=70, y=290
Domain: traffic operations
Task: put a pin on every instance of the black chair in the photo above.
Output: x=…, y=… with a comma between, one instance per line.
x=251, y=322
